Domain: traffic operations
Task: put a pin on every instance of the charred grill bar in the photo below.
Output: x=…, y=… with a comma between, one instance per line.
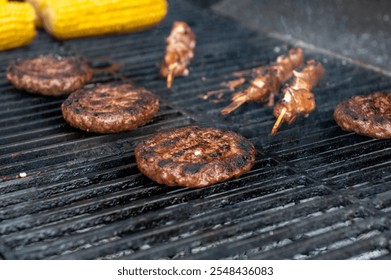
x=314, y=191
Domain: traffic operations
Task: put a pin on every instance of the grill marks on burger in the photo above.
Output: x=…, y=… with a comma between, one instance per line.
x=368, y=115
x=112, y=100
x=57, y=66
x=49, y=74
x=110, y=108
x=197, y=146
x=194, y=156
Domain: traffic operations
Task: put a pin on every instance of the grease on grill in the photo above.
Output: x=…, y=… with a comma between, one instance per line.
x=366, y=115
x=194, y=157
x=110, y=108
x=49, y=74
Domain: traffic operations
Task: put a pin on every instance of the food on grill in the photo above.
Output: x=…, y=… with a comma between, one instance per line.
x=179, y=52
x=368, y=115
x=110, y=108
x=194, y=157
x=36, y=4
x=297, y=99
x=49, y=74
x=268, y=82
x=79, y=18
x=16, y=24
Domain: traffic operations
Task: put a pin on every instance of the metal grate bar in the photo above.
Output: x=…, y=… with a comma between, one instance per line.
x=308, y=245
x=279, y=234
x=363, y=249
x=191, y=231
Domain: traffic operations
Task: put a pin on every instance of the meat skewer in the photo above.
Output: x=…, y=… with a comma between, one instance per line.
x=179, y=52
x=268, y=82
x=297, y=99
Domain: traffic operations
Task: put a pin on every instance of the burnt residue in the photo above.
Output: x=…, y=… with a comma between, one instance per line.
x=192, y=168
x=164, y=162
x=245, y=146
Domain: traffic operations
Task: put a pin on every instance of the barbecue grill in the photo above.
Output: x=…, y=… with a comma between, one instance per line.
x=315, y=191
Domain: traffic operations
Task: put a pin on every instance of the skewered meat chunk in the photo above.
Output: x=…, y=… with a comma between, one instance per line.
x=297, y=99
x=179, y=52
x=268, y=82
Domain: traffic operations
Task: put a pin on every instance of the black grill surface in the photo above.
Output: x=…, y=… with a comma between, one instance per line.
x=315, y=191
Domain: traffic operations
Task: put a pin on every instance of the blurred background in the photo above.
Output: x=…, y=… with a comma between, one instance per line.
x=358, y=29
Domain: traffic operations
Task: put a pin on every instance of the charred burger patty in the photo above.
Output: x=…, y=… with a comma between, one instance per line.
x=366, y=115
x=110, y=108
x=194, y=157
x=49, y=74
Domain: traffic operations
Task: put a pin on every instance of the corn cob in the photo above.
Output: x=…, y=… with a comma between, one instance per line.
x=16, y=24
x=36, y=4
x=79, y=18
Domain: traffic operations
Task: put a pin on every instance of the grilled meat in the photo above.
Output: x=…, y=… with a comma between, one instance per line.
x=179, y=52
x=366, y=115
x=194, y=157
x=49, y=74
x=268, y=82
x=110, y=108
x=297, y=99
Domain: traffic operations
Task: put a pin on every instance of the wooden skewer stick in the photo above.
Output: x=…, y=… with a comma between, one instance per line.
x=278, y=121
x=239, y=101
x=170, y=78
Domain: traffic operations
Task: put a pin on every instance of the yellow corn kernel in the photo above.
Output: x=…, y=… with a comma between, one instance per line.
x=16, y=24
x=79, y=18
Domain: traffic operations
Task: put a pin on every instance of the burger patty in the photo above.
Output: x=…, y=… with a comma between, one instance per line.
x=194, y=157
x=49, y=74
x=110, y=108
x=366, y=115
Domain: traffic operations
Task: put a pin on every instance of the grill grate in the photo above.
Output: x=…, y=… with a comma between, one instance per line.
x=314, y=192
